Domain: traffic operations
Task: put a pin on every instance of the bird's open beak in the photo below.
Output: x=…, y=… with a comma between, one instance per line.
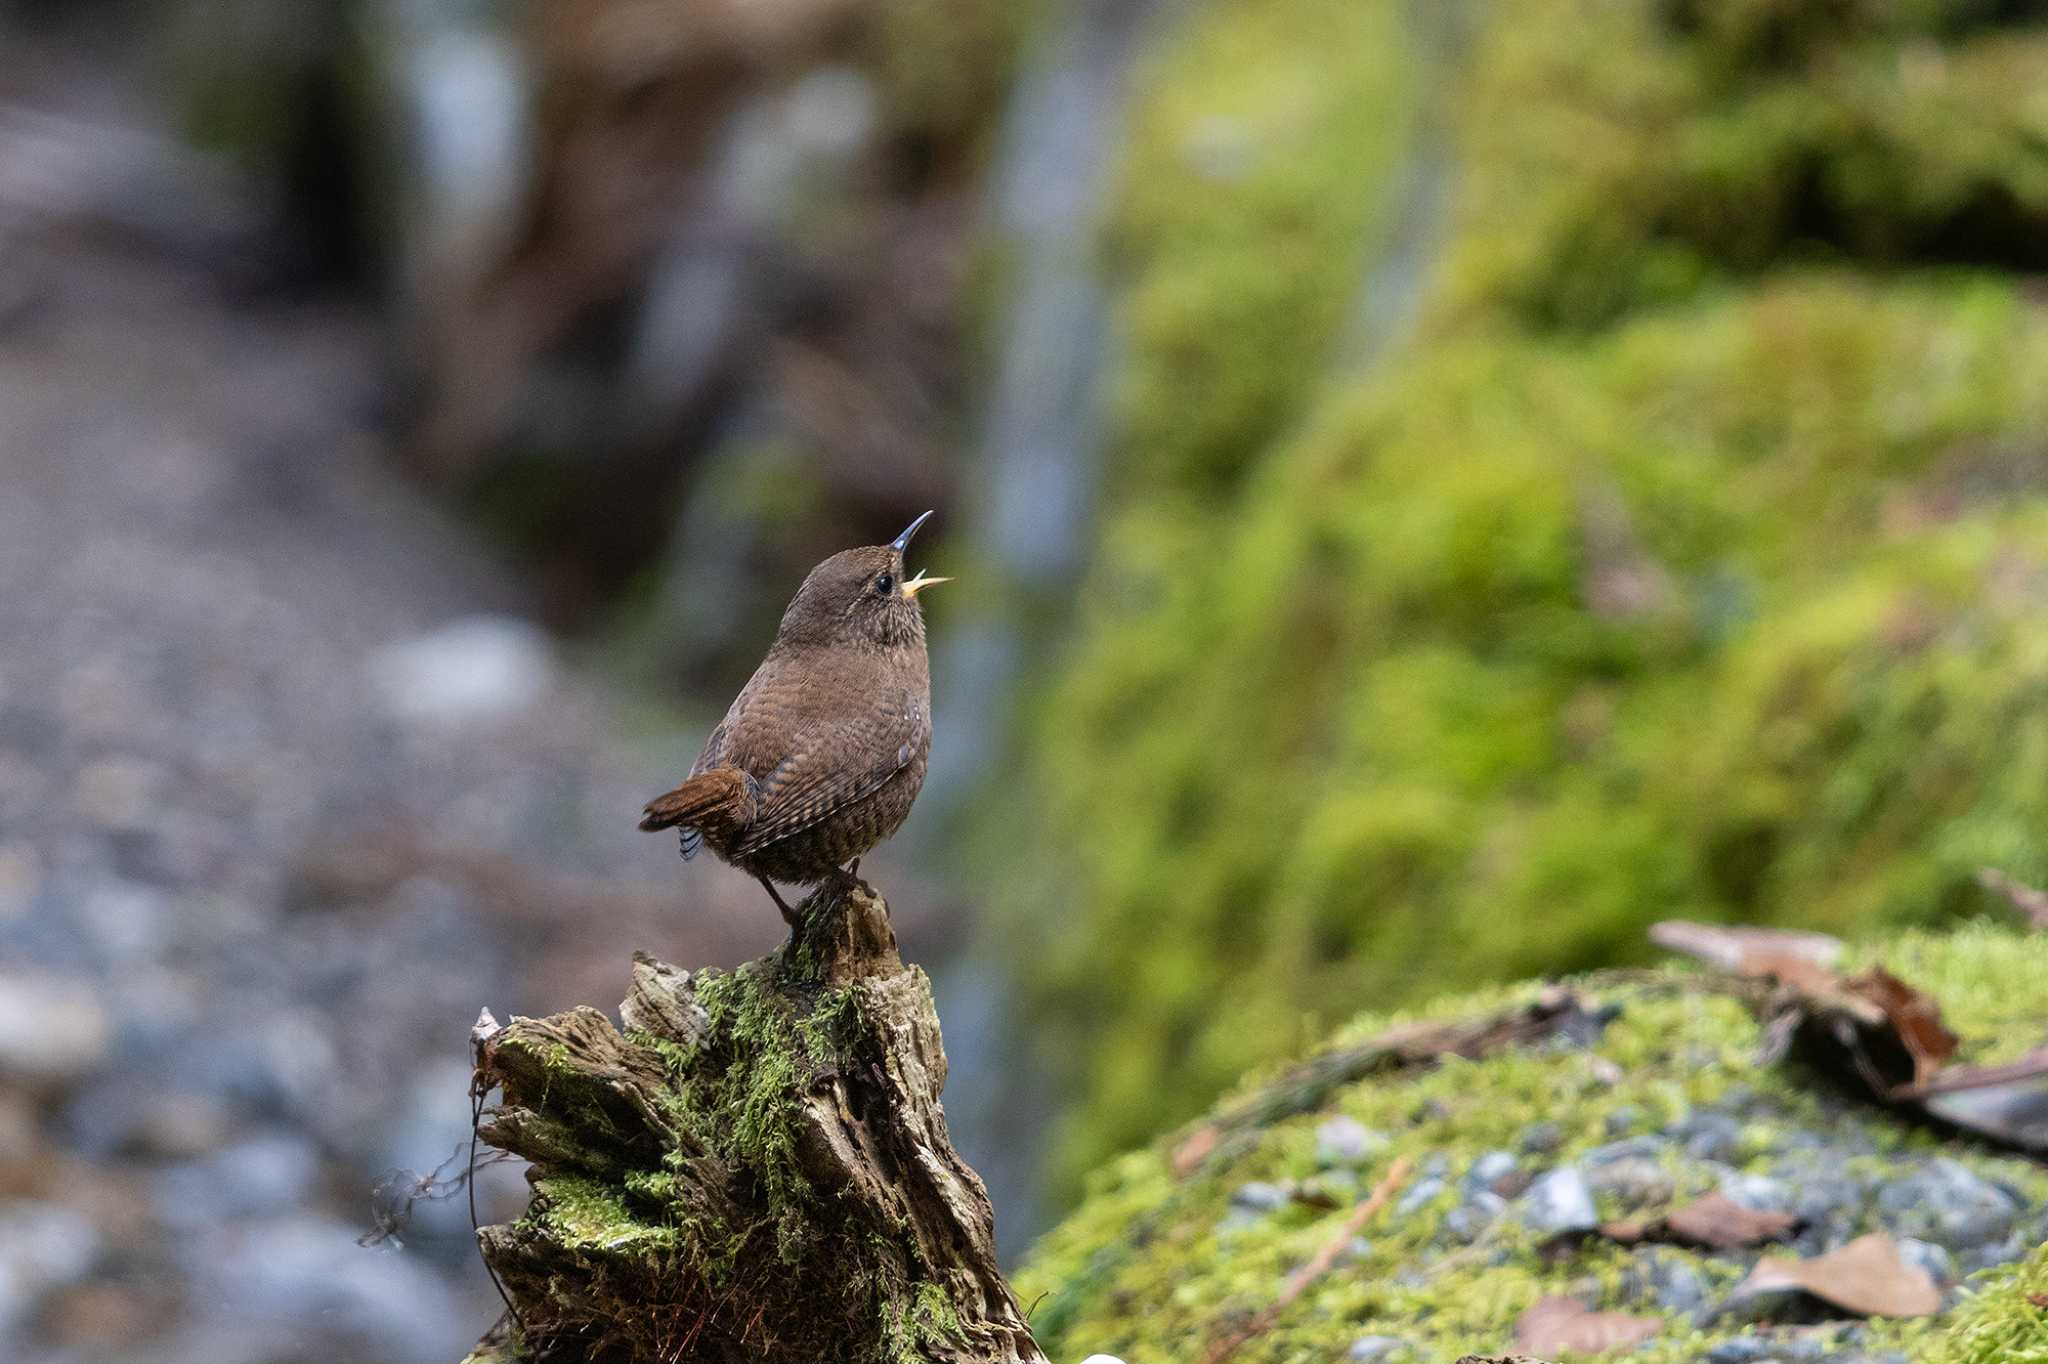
x=902, y=542
x=913, y=586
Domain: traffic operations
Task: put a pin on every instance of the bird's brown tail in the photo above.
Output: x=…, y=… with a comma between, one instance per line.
x=722, y=798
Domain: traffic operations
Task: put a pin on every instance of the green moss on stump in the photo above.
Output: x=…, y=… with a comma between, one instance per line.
x=755, y=1169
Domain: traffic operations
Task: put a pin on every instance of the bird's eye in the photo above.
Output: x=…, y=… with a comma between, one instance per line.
x=885, y=584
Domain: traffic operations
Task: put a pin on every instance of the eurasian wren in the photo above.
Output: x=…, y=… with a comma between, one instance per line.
x=821, y=754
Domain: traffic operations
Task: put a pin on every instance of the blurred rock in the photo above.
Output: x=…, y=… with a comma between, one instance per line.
x=1932, y=1260
x=20, y=878
x=255, y=1177
x=1347, y=1141
x=474, y=669
x=1474, y=1214
x=1559, y=1202
x=52, y=1030
x=290, y=1271
x=1667, y=1278
x=1633, y=1181
x=43, y=1246
x=1949, y=1205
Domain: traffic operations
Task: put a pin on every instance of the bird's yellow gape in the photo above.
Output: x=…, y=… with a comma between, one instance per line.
x=913, y=586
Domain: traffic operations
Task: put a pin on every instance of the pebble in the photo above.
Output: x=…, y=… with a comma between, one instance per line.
x=1466, y=1222
x=1541, y=1139
x=287, y=1271
x=1347, y=1141
x=1633, y=1181
x=1559, y=1202
x=1624, y=1149
x=1261, y=1196
x=1709, y=1136
x=472, y=668
x=1932, y=1260
x=265, y=1174
x=1490, y=1170
x=1759, y=1192
x=1420, y=1195
x=52, y=1030
x=1996, y=1253
x=1372, y=1349
x=43, y=1247
x=1669, y=1279
x=1947, y=1203
x=1252, y=1203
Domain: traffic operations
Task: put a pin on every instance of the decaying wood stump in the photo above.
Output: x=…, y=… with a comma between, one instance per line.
x=756, y=1168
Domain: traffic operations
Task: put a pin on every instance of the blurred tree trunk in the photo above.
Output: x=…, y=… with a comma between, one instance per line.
x=756, y=1168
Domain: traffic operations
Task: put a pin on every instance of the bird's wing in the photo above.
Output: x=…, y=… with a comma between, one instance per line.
x=815, y=778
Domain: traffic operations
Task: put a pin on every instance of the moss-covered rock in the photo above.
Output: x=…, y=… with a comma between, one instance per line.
x=1167, y=1254
x=1688, y=559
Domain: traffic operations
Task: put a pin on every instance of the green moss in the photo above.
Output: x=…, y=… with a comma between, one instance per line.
x=589, y=1216
x=1725, y=146
x=1705, y=618
x=741, y=1093
x=1262, y=145
x=2001, y=1322
x=1151, y=1266
x=1688, y=560
x=655, y=1227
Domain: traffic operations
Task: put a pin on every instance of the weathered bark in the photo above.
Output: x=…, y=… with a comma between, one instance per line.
x=756, y=1168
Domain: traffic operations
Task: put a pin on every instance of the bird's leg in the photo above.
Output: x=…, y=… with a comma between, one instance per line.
x=788, y=914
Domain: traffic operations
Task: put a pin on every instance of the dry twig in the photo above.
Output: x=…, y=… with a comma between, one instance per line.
x=1299, y=1282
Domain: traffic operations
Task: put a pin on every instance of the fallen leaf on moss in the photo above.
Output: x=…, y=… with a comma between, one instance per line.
x=2028, y=900
x=2038, y=1299
x=1873, y=1024
x=1716, y=1222
x=1913, y=1015
x=1558, y=1324
x=1867, y=1277
x=1787, y=955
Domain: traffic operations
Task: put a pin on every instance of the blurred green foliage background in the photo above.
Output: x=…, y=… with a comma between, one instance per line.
x=1689, y=557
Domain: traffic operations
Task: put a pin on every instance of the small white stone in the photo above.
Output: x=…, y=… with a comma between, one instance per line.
x=52, y=1029
x=1102, y=1359
x=475, y=668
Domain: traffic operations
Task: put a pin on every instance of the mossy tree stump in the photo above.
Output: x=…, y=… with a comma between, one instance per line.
x=756, y=1168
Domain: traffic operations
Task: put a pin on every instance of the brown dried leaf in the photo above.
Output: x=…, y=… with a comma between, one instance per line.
x=1715, y=1222
x=1914, y=1016
x=1866, y=1277
x=1873, y=1026
x=1791, y=956
x=1719, y=1222
x=1624, y=1233
x=1557, y=1324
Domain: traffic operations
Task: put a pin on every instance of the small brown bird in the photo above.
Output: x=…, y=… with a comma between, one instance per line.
x=825, y=748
